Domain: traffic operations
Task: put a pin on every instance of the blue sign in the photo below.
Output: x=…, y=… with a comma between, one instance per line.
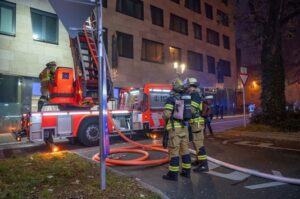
x=65, y=75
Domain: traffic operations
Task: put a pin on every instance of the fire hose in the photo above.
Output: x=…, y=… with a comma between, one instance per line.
x=135, y=148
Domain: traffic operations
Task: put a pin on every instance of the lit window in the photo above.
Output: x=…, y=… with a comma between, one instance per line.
x=7, y=18
x=44, y=26
x=175, y=54
x=152, y=51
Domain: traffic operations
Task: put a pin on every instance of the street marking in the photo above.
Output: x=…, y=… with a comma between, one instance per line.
x=268, y=184
x=235, y=175
x=231, y=121
x=263, y=145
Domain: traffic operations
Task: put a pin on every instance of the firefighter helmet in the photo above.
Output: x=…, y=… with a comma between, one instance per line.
x=177, y=85
x=50, y=64
x=191, y=81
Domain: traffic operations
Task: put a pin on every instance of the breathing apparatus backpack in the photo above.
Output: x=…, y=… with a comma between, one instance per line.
x=183, y=108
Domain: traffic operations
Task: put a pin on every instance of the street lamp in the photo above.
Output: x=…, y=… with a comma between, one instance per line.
x=179, y=71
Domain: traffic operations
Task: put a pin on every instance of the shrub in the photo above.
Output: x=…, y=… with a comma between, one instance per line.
x=289, y=122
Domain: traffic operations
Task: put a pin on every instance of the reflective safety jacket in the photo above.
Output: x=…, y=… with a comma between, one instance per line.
x=45, y=75
x=168, y=113
x=196, y=108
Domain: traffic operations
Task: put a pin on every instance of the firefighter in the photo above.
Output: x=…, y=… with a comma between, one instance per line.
x=196, y=127
x=46, y=76
x=177, y=135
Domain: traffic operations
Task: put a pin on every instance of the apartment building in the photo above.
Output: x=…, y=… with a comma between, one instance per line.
x=144, y=40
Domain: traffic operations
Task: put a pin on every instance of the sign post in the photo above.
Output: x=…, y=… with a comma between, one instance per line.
x=244, y=77
x=102, y=96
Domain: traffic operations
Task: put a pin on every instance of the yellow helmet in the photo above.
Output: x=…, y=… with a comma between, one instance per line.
x=52, y=63
x=178, y=85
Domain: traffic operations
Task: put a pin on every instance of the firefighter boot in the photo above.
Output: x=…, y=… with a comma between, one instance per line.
x=202, y=159
x=172, y=176
x=173, y=169
x=186, y=166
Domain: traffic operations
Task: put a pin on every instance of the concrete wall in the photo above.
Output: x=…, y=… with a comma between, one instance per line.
x=135, y=72
x=21, y=55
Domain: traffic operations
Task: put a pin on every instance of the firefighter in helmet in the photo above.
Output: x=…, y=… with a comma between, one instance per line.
x=196, y=126
x=178, y=136
x=46, y=76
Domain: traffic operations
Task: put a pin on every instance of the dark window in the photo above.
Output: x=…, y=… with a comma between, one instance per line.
x=225, y=2
x=226, y=42
x=179, y=24
x=104, y=38
x=176, y=1
x=152, y=51
x=9, y=84
x=44, y=26
x=125, y=45
x=212, y=37
x=211, y=65
x=133, y=8
x=197, y=31
x=157, y=15
x=175, y=54
x=209, y=11
x=104, y=3
x=225, y=67
x=7, y=18
x=195, y=61
x=222, y=18
x=194, y=5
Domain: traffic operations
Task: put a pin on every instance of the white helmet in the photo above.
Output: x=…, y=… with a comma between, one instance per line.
x=191, y=81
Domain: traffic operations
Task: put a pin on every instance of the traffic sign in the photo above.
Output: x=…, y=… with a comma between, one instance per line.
x=244, y=78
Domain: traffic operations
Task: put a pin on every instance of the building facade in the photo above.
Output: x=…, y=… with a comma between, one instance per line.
x=144, y=41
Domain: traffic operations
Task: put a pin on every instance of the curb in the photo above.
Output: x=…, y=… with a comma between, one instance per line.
x=143, y=184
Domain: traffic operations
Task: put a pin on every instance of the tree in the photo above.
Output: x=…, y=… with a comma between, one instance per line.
x=271, y=18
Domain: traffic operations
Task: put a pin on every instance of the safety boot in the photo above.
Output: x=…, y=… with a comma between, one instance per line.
x=172, y=176
x=186, y=173
x=201, y=168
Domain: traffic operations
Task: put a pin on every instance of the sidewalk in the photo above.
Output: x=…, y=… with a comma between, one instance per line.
x=291, y=140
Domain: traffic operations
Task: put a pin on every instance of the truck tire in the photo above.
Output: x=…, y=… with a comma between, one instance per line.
x=88, y=132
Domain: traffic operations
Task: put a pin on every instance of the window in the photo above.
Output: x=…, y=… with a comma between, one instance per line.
x=194, y=5
x=157, y=15
x=176, y=1
x=104, y=38
x=152, y=51
x=9, y=84
x=222, y=18
x=178, y=24
x=224, y=67
x=212, y=37
x=7, y=18
x=104, y=3
x=175, y=54
x=195, y=61
x=225, y=2
x=211, y=65
x=226, y=42
x=44, y=26
x=125, y=45
x=197, y=31
x=209, y=11
x=133, y=8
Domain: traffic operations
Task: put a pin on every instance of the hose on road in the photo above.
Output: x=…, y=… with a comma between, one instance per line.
x=136, y=148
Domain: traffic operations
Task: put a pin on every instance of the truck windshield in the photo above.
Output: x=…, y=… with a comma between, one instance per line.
x=158, y=99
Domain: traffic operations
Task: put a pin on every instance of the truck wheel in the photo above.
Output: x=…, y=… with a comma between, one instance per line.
x=88, y=133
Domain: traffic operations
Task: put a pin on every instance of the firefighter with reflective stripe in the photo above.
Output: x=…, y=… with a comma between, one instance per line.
x=178, y=136
x=197, y=124
x=46, y=76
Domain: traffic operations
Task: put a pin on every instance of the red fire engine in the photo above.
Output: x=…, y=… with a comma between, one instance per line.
x=72, y=110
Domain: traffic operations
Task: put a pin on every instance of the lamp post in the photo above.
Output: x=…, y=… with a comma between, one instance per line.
x=179, y=68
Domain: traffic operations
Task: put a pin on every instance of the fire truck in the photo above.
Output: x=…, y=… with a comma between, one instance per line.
x=72, y=110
